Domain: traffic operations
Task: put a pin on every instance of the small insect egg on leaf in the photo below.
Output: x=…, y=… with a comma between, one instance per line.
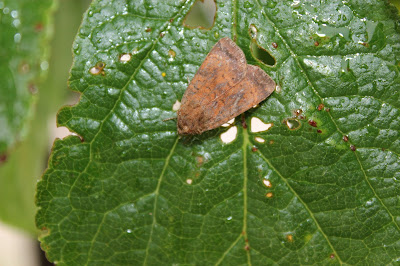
x=256, y=125
x=163, y=74
x=229, y=123
x=189, y=181
x=230, y=135
x=260, y=140
x=269, y=195
x=176, y=105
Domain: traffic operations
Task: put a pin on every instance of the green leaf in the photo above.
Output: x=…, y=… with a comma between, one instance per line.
x=24, y=37
x=19, y=173
x=130, y=191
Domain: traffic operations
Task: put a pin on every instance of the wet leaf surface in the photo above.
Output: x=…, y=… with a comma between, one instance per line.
x=130, y=191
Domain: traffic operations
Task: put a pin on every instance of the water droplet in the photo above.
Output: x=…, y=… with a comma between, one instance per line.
x=296, y=3
x=278, y=88
x=256, y=125
x=124, y=58
x=229, y=218
x=230, y=135
x=216, y=34
x=17, y=37
x=129, y=231
x=189, y=181
x=14, y=13
x=16, y=23
x=247, y=4
x=44, y=65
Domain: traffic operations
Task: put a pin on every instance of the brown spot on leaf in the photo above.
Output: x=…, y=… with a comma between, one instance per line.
x=345, y=138
x=353, y=148
x=297, y=112
x=320, y=106
x=312, y=123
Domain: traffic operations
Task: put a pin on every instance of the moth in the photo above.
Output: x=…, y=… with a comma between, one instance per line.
x=224, y=87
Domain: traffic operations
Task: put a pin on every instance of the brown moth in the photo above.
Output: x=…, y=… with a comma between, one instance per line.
x=224, y=87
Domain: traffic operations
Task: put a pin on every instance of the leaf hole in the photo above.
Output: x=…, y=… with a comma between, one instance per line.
x=292, y=123
x=256, y=125
x=201, y=15
x=230, y=135
x=261, y=54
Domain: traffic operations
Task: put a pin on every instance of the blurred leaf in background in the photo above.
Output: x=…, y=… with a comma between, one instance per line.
x=23, y=61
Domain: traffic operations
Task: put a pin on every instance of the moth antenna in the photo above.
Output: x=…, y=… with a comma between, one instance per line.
x=171, y=118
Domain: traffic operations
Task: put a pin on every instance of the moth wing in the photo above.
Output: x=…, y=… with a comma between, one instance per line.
x=224, y=66
x=252, y=90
